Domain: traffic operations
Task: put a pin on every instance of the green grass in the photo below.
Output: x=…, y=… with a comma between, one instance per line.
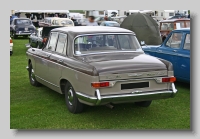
x=41, y=108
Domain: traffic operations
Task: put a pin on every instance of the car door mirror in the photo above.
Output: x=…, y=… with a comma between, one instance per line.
x=143, y=43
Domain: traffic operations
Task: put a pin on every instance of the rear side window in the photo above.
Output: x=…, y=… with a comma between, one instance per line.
x=187, y=42
x=52, y=42
x=61, y=44
x=175, y=40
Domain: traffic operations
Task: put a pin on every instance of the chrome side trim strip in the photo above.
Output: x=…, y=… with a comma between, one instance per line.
x=47, y=81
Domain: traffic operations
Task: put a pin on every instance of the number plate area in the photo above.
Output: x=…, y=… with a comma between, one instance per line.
x=134, y=86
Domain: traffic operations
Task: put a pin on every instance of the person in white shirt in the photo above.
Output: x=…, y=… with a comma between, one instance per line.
x=91, y=22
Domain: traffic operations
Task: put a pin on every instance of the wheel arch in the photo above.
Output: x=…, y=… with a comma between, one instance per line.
x=63, y=82
x=29, y=61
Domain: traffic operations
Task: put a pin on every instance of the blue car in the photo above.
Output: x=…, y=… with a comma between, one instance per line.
x=110, y=24
x=176, y=49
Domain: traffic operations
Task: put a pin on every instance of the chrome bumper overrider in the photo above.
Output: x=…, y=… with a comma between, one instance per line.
x=127, y=97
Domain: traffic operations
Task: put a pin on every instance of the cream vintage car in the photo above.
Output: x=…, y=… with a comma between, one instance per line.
x=62, y=22
x=99, y=66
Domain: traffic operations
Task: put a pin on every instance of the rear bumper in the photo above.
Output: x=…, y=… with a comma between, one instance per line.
x=98, y=100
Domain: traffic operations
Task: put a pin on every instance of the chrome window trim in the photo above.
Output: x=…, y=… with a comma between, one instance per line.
x=47, y=46
x=65, y=46
x=102, y=34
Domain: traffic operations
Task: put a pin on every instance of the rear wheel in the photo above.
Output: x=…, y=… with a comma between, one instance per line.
x=32, y=78
x=143, y=103
x=72, y=102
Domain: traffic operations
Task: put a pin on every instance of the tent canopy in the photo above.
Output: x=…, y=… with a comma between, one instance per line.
x=144, y=26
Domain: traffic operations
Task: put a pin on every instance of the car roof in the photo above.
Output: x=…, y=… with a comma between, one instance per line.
x=174, y=20
x=183, y=29
x=92, y=29
x=81, y=30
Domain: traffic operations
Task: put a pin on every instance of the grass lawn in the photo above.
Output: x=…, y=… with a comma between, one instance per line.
x=41, y=108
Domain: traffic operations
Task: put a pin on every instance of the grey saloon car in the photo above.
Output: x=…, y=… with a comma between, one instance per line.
x=99, y=66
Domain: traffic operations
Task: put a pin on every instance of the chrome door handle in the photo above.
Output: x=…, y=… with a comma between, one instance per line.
x=174, y=50
x=60, y=60
x=47, y=55
x=159, y=50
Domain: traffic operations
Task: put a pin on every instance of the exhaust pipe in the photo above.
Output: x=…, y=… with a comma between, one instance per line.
x=109, y=106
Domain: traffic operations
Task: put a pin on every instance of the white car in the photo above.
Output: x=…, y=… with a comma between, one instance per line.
x=11, y=46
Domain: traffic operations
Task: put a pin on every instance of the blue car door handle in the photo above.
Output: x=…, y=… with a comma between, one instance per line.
x=159, y=50
x=174, y=50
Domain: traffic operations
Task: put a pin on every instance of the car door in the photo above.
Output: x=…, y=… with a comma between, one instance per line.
x=33, y=39
x=170, y=48
x=184, y=59
x=42, y=62
x=57, y=57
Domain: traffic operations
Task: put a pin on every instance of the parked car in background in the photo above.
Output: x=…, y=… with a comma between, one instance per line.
x=166, y=26
x=47, y=21
x=21, y=27
x=110, y=24
x=11, y=46
x=81, y=21
x=38, y=39
x=178, y=16
x=176, y=49
x=118, y=19
x=98, y=65
x=99, y=19
x=62, y=22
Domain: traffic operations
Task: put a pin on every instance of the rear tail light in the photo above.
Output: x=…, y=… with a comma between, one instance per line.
x=169, y=79
x=11, y=41
x=100, y=84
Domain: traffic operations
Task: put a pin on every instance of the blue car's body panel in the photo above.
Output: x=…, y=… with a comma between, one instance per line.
x=179, y=57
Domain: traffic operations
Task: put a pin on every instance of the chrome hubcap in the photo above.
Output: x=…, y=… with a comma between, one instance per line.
x=70, y=96
x=32, y=75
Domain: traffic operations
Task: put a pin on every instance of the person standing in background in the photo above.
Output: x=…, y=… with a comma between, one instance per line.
x=106, y=17
x=91, y=21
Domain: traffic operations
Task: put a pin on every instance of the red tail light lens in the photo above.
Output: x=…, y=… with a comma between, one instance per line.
x=11, y=41
x=169, y=79
x=100, y=84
